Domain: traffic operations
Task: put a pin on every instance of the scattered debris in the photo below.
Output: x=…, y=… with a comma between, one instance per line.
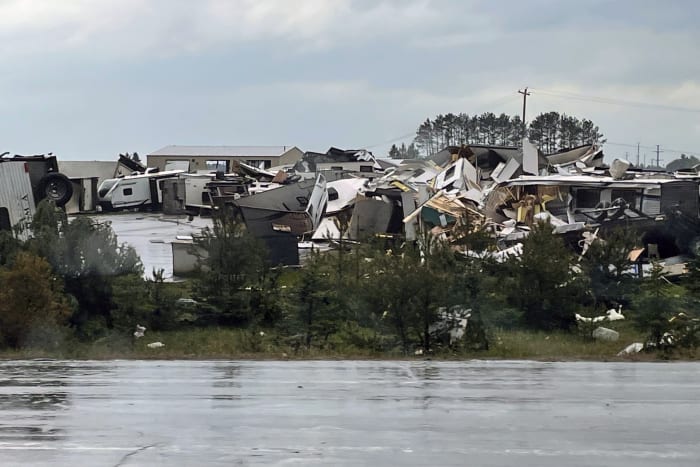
x=451, y=324
x=610, y=315
x=615, y=315
x=631, y=349
x=139, y=331
x=155, y=345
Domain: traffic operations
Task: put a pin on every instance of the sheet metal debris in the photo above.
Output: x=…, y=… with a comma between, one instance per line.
x=503, y=191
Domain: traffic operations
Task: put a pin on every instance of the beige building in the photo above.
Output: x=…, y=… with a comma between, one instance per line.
x=222, y=158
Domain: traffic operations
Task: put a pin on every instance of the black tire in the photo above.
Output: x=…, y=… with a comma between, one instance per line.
x=621, y=206
x=56, y=187
x=601, y=216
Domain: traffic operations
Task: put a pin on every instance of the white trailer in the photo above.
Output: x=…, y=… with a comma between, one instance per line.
x=196, y=191
x=17, y=206
x=134, y=191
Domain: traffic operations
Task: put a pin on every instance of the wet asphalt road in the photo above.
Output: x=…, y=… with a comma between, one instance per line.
x=349, y=413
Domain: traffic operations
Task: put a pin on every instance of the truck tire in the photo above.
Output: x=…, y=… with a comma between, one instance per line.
x=56, y=187
x=621, y=205
x=602, y=215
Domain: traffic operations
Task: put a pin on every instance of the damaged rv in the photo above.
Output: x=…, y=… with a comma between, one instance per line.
x=279, y=217
x=16, y=197
x=143, y=190
x=24, y=182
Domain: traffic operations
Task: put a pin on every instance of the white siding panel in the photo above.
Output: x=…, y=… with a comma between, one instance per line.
x=16, y=193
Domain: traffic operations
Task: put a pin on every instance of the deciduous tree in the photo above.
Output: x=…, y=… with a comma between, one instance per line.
x=30, y=297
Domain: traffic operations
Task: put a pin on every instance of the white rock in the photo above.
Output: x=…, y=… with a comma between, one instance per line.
x=605, y=334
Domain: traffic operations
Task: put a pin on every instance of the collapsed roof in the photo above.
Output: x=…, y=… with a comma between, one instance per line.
x=309, y=162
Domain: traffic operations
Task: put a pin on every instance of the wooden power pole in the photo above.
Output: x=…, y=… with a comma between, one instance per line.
x=525, y=93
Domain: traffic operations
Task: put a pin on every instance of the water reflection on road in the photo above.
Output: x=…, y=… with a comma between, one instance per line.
x=348, y=413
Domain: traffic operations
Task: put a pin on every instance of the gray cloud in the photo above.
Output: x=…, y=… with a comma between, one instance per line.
x=89, y=79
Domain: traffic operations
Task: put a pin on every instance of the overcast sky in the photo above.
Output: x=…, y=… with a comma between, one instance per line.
x=87, y=79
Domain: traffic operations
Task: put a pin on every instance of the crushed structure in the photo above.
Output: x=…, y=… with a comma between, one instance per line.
x=500, y=191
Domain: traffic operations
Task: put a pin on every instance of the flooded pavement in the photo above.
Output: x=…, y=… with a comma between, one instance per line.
x=150, y=235
x=348, y=413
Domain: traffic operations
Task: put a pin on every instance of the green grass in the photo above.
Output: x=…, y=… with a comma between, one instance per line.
x=224, y=343
x=555, y=346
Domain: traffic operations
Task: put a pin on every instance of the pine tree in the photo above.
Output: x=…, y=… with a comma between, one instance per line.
x=232, y=263
x=545, y=287
x=394, y=152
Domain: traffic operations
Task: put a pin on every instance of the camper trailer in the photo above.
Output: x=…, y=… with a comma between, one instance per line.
x=16, y=197
x=46, y=181
x=134, y=191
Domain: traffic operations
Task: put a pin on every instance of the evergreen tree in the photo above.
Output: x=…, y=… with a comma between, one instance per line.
x=655, y=305
x=411, y=152
x=607, y=265
x=545, y=287
x=231, y=263
x=394, y=152
x=86, y=254
x=317, y=312
x=551, y=131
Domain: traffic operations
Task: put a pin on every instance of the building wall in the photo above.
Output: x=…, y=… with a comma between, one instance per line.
x=291, y=156
x=87, y=169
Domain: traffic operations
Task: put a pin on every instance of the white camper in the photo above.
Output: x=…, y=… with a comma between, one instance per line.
x=134, y=191
x=16, y=197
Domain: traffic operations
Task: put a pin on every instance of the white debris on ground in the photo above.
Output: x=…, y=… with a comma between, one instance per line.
x=635, y=347
x=611, y=315
x=155, y=345
x=139, y=331
x=615, y=315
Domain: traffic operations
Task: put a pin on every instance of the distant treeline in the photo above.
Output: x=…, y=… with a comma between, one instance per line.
x=550, y=131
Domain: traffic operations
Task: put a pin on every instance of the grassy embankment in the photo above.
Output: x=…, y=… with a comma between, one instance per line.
x=221, y=343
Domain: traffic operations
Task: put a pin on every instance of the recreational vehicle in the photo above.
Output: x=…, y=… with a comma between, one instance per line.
x=134, y=191
x=16, y=197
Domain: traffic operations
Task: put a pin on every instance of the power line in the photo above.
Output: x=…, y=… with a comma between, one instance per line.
x=658, y=151
x=653, y=148
x=613, y=101
x=393, y=140
x=492, y=104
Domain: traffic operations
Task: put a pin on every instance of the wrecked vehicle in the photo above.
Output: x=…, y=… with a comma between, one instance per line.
x=134, y=191
x=17, y=206
x=45, y=178
x=350, y=160
x=281, y=215
x=663, y=209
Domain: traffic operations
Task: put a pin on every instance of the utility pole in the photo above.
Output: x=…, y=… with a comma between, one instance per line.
x=525, y=93
x=637, y=154
x=658, y=163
